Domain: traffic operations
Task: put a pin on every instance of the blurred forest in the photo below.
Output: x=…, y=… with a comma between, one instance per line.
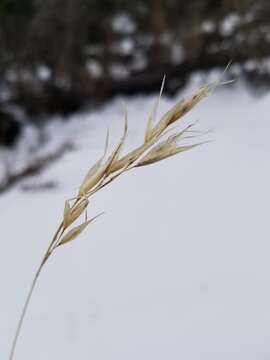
x=58, y=56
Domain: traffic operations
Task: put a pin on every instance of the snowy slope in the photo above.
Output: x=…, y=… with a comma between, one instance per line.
x=177, y=268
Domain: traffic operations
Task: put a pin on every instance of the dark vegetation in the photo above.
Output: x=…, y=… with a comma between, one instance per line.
x=57, y=56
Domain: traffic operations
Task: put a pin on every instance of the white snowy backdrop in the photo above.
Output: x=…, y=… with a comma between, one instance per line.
x=177, y=268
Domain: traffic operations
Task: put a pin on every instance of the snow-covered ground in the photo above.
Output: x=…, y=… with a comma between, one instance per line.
x=177, y=268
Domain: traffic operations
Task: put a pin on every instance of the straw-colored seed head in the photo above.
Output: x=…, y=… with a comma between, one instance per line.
x=102, y=173
x=151, y=151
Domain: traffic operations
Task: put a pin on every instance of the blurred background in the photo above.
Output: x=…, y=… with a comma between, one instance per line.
x=59, y=56
x=178, y=267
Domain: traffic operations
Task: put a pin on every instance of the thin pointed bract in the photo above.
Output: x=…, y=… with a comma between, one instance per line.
x=114, y=156
x=171, y=150
x=153, y=114
x=77, y=211
x=67, y=211
x=95, y=173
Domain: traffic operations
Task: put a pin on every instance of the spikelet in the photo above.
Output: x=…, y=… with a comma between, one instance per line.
x=76, y=231
x=180, y=109
x=95, y=173
x=67, y=212
x=115, y=155
x=71, y=215
x=130, y=157
x=163, y=153
x=98, y=171
x=97, y=165
x=166, y=148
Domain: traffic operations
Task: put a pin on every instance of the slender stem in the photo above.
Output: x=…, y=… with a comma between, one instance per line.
x=25, y=307
x=30, y=293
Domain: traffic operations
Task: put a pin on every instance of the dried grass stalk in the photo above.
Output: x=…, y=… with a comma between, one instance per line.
x=104, y=171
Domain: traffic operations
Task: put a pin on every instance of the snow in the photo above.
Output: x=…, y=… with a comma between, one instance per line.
x=177, y=268
x=123, y=24
x=229, y=24
x=94, y=68
x=119, y=71
x=35, y=144
x=251, y=65
x=139, y=61
x=44, y=72
x=124, y=46
x=208, y=26
x=178, y=53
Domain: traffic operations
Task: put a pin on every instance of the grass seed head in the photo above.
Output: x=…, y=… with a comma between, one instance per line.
x=153, y=149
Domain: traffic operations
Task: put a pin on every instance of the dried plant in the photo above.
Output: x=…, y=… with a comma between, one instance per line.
x=158, y=145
